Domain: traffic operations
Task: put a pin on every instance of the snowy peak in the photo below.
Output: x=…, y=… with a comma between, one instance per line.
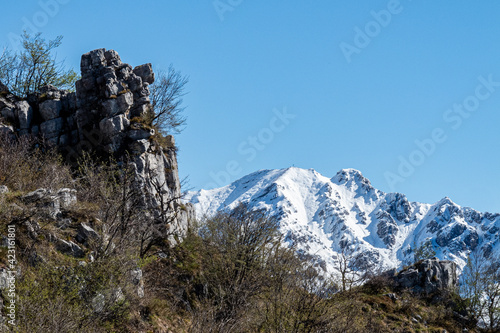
x=348, y=176
x=322, y=216
x=447, y=202
x=353, y=180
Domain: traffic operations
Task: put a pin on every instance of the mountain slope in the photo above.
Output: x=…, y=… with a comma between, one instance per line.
x=323, y=217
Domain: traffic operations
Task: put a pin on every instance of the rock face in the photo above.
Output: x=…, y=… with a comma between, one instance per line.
x=108, y=96
x=103, y=116
x=50, y=203
x=427, y=276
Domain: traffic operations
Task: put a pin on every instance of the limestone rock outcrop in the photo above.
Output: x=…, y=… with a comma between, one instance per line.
x=427, y=276
x=49, y=203
x=104, y=116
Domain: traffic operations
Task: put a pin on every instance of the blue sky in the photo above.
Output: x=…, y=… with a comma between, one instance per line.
x=324, y=85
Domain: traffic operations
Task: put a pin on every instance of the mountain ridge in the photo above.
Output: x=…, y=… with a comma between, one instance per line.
x=324, y=216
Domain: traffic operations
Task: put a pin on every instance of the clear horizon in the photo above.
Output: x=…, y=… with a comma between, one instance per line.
x=406, y=92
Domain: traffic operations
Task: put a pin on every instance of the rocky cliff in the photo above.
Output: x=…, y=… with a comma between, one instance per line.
x=104, y=116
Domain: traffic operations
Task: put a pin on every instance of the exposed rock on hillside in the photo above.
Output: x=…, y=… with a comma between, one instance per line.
x=427, y=276
x=104, y=116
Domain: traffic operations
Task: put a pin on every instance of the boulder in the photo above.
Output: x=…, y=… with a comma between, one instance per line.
x=86, y=233
x=69, y=248
x=134, y=82
x=44, y=202
x=125, y=101
x=6, y=130
x=51, y=128
x=111, y=297
x=50, y=92
x=112, y=126
x=24, y=114
x=136, y=276
x=113, y=88
x=97, y=58
x=145, y=72
x=123, y=72
x=35, y=130
x=427, y=276
x=67, y=197
x=137, y=280
x=3, y=189
x=49, y=203
x=64, y=140
x=111, y=107
x=36, y=196
x=32, y=227
x=98, y=303
x=50, y=109
x=8, y=114
x=4, y=279
x=140, y=146
x=112, y=58
x=140, y=134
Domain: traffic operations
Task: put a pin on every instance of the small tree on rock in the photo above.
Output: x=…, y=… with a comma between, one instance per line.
x=166, y=99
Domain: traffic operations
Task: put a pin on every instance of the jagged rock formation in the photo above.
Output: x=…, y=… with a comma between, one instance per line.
x=323, y=217
x=427, y=276
x=104, y=116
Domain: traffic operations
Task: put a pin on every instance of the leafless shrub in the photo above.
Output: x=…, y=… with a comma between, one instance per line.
x=25, y=166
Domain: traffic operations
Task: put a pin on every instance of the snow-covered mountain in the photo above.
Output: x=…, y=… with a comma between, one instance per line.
x=320, y=216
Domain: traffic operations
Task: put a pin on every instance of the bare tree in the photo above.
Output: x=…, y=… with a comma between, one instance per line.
x=349, y=266
x=297, y=296
x=111, y=187
x=24, y=166
x=237, y=244
x=166, y=99
x=480, y=287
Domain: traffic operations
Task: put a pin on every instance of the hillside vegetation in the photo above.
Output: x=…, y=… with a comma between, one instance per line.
x=230, y=274
x=102, y=242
